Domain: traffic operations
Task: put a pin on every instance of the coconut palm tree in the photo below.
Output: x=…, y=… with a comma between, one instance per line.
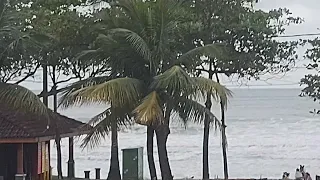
x=13, y=95
x=148, y=81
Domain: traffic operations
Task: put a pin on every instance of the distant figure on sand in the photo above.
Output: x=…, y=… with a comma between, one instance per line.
x=308, y=177
x=298, y=175
x=303, y=171
x=285, y=176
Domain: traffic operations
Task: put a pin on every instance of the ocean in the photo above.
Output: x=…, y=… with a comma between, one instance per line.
x=269, y=131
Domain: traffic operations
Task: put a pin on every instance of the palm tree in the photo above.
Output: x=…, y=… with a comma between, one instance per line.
x=148, y=81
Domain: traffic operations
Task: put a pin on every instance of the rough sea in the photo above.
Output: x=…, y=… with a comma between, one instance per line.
x=269, y=131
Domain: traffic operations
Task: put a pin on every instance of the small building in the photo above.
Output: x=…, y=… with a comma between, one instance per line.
x=25, y=143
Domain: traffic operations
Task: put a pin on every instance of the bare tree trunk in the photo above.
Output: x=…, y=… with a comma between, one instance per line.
x=224, y=138
x=45, y=85
x=59, y=159
x=162, y=133
x=114, y=171
x=152, y=167
x=206, y=133
x=58, y=138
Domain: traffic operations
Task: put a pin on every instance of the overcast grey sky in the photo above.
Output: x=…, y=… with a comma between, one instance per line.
x=306, y=9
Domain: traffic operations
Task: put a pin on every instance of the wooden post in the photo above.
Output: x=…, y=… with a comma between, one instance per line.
x=98, y=173
x=20, y=159
x=49, y=170
x=71, y=168
x=87, y=174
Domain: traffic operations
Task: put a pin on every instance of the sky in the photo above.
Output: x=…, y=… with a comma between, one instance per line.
x=306, y=9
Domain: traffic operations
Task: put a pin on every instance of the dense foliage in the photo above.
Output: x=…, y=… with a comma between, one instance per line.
x=311, y=81
x=143, y=59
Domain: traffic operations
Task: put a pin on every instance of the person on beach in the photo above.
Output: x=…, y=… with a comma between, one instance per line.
x=285, y=176
x=298, y=175
x=308, y=176
x=303, y=172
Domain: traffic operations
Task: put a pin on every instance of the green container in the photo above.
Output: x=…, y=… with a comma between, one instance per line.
x=132, y=164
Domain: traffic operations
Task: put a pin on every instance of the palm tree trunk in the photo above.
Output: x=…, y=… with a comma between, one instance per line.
x=114, y=171
x=162, y=133
x=224, y=137
x=152, y=167
x=205, y=145
x=224, y=145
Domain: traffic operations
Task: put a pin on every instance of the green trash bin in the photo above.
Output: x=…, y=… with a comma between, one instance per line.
x=132, y=163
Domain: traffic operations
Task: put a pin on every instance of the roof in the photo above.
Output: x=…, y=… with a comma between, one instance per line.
x=17, y=124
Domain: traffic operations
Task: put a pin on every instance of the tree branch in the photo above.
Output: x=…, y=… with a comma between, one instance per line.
x=66, y=80
x=28, y=75
x=218, y=71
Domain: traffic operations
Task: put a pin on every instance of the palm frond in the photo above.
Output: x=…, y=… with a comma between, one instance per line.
x=22, y=99
x=87, y=54
x=99, y=117
x=135, y=40
x=175, y=81
x=118, y=92
x=67, y=92
x=102, y=125
x=192, y=58
x=218, y=91
x=149, y=111
x=192, y=111
x=97, y=133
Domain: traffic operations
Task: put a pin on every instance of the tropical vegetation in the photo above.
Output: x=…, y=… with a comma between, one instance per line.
x=149, y=79
x=144, y=60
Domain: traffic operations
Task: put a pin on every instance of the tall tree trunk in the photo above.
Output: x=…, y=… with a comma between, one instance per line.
x=114, y=171
x=45, y=84
x=152, y=167
x=162, y=133
x=58, y=138
x=224, y=145
x=223, y=137
x=206, y=132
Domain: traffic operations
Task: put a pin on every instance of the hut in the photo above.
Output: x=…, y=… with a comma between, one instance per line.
x=25, y=143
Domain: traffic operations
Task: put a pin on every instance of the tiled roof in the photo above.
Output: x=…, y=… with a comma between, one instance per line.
x=17, y=124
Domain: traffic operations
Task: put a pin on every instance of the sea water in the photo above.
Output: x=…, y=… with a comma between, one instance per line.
x=269, y=131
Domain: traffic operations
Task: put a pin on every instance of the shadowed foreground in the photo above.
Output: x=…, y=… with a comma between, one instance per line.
x=56, y=178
